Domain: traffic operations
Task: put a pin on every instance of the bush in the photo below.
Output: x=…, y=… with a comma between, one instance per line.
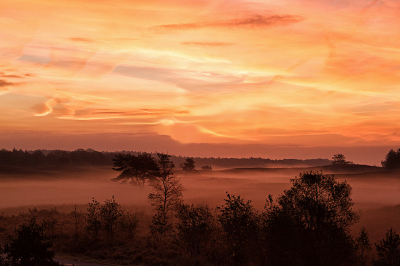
x=110, y=215
x=195, y=228
x=93, y=219
x=240, y=224
x=388, y=250
x=30, y=246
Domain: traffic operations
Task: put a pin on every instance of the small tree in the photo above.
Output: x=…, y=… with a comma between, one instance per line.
x=110, y=215
x=30, y=246
x=388, y=250
x=188, y=165
x=166, y=194
x=93, y=219
x=363, y=245
x=76, y=222
x=339, y=159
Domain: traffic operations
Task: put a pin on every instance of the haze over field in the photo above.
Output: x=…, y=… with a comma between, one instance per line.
x=78, y=186
x=277, y=79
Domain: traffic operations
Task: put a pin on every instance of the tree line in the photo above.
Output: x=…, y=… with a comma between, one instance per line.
x=54, y=158
x=81, y=157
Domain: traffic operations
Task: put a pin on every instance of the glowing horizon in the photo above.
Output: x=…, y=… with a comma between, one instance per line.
x=308, y=73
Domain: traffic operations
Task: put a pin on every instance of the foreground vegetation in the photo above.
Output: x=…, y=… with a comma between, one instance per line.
x=309, y=224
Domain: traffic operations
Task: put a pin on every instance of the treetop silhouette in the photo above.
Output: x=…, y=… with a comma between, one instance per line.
x=136, y=168
x=392, y=160
x=339, y=159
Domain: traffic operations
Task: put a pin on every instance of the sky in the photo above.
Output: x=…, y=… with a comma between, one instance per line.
x=201, y=77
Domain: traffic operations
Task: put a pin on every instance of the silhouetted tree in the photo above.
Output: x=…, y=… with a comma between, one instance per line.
x=240, y=225
x=166, y=194
x=195, y=228
x=188, y=165
x=110, y=215
x=363, y=245
x=206, y=167
x=339, y=159
x=316, y=214
x=93, y=219
x=388, y=250
x=137, y=169
x=30, y=246
x=392, y=160
x=103, y=222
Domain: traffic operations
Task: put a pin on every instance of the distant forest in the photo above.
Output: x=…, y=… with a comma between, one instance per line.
x=90, y=157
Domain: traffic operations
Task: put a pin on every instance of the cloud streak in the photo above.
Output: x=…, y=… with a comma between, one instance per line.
x=256, y=20
x=4, y=83
x=208, y=44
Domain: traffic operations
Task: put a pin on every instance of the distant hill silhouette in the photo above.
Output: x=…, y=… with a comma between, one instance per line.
x=328, y=169
x=80, y=157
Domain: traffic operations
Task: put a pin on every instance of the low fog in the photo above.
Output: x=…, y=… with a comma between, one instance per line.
x=79, y=186
x=375, y=194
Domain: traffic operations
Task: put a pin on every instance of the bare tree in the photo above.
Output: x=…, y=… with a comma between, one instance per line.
x=166, y=194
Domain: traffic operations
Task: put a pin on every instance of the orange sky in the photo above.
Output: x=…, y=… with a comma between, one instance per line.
x=307, y=73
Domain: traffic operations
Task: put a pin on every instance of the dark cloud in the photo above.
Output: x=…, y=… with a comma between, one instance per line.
x=251, y=21
x=4, y=83
x=259, y=21
x=3, y=75
x=210, y=44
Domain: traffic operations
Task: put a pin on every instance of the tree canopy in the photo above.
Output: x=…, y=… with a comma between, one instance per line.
x=339, y=159
x=392, y=160
x=388, y=250
x=315, y=217
x=188, y=165
x=136, y=168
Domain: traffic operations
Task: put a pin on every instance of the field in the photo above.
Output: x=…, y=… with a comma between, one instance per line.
x=375, y=192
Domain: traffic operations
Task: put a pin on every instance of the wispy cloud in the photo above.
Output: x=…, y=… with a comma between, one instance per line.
x=13, y=76
x=79, y=39
x=4, y=83
x=256, y=20
x=210, y=44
